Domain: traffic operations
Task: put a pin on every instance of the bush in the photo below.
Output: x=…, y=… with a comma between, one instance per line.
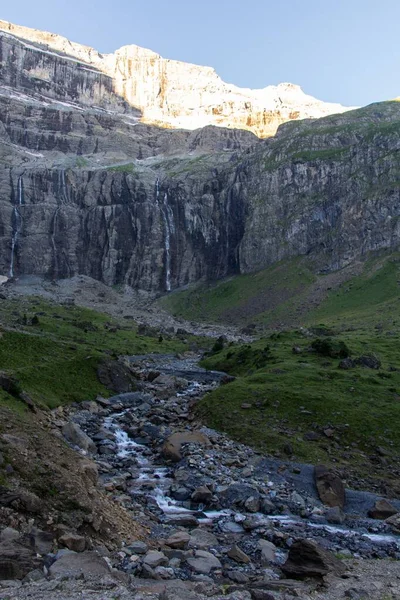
x=331, y=348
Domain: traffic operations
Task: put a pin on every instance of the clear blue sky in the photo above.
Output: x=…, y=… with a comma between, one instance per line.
x=344, y=51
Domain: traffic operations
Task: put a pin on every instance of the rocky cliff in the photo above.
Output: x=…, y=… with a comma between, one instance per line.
x=86, y=187
x=169, y=93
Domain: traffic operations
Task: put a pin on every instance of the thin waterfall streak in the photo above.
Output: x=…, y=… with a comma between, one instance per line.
x=16, y=228
x=168, y=229
x=53, y=242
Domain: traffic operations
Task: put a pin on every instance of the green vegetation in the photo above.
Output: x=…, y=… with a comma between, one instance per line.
x=55, y=361
x=125, y=168
x=267, y=295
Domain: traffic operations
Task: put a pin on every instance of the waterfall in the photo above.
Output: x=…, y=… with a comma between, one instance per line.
x=169, y=229
x=53, y=242
x=17, y=224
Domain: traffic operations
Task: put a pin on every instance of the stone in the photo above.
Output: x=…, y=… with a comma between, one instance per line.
x=74, y=434
x=85, y=564
x=335, y=515
x=9, y=534
x=74, y=542
x=204, y=562
x=16, y=559
x=252, y=504
x=308, y=559
x=171, y=449
x=116, y=377
x=382, y=509
x=268, y=552
x=202, y=495
x=138, y=547
x=202, y=539
x=330, y=487
x=155, y=559
x=184, y=520
x=237, y=577
x=262, y=595
x=369, y=361
x=347, y=363
x=42, y=541
x=179, y=540
x=267, y=507
x=236, y=554
x=237, y=494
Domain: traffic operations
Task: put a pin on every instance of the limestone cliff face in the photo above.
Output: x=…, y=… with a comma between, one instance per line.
x=86, y=187
x=171, y=93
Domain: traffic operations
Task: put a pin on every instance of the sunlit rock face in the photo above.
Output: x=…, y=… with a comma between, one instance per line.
x=175, y=94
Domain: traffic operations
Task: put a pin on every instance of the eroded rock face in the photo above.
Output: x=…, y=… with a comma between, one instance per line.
x=87, y=188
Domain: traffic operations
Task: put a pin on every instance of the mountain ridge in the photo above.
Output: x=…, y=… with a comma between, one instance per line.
x=176, y=94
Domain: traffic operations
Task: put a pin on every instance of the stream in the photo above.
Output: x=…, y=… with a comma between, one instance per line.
x=224, y=488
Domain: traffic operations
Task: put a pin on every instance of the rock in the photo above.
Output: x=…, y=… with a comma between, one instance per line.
x=20, y=499
x=262, y=595
x=155, y=559
x=184, y=520
x=204, y=562
x=180, y=539
x=237, y=577
x=84, y=564
x=9, y=535
x=42, y=541
x=74, y=542
x=308, y=559
x=382, y=509
x=138, y=547
x=116, y=377
x=16, y=559
x=171, y=449
x=74, y=434
x=237, y=494
x=252, y=504
x=164, y=573
x=236, y=554
x=202, y=495
x=202, y=539
x=335, y=515
x=330, y=487
x=268, y=552
x=369, y=361
x=267, y=507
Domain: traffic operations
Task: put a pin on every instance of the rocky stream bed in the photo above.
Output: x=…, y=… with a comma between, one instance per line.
x=221, y=518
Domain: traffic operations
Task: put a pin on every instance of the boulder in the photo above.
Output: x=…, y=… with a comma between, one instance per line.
x=84, y=564
x=74, y=434
x=171, y=449
x=308, y=559
x=236, y=554
x=74, y=542
x=202, y=495
x=155, y=559
x=183, y=519
x=116, y=377
x=20, y=499
x=202, y=539
x=179, y=540
x=369, y=361
x=335, y=515
x=382, y=509
x=17, y=559
x=330, y=487
x=204, y=562
x=394, y=522
x=138, y=547
x=237, y=494
x=42, y=541
x=268, y=552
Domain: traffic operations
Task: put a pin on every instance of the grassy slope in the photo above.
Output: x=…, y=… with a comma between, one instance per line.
x=292, y=394
x=56, y=361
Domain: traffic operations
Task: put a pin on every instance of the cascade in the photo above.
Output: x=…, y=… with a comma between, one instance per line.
x=17, y=224
x=169, y=229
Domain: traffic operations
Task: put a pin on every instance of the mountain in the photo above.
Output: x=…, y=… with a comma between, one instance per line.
x=87, y=187
x=176, y=94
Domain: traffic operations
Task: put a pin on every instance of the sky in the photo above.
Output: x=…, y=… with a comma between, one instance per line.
x=343, y=51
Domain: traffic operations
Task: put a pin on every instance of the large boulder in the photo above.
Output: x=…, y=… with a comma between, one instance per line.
x=17, y=559
x=75, y=435
x=308, y=559
x=240, y=495
x=172, y=446
x=330, y=487
x=204, y=562
x=382, y=509
x=86, y=564
x=116, y=377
